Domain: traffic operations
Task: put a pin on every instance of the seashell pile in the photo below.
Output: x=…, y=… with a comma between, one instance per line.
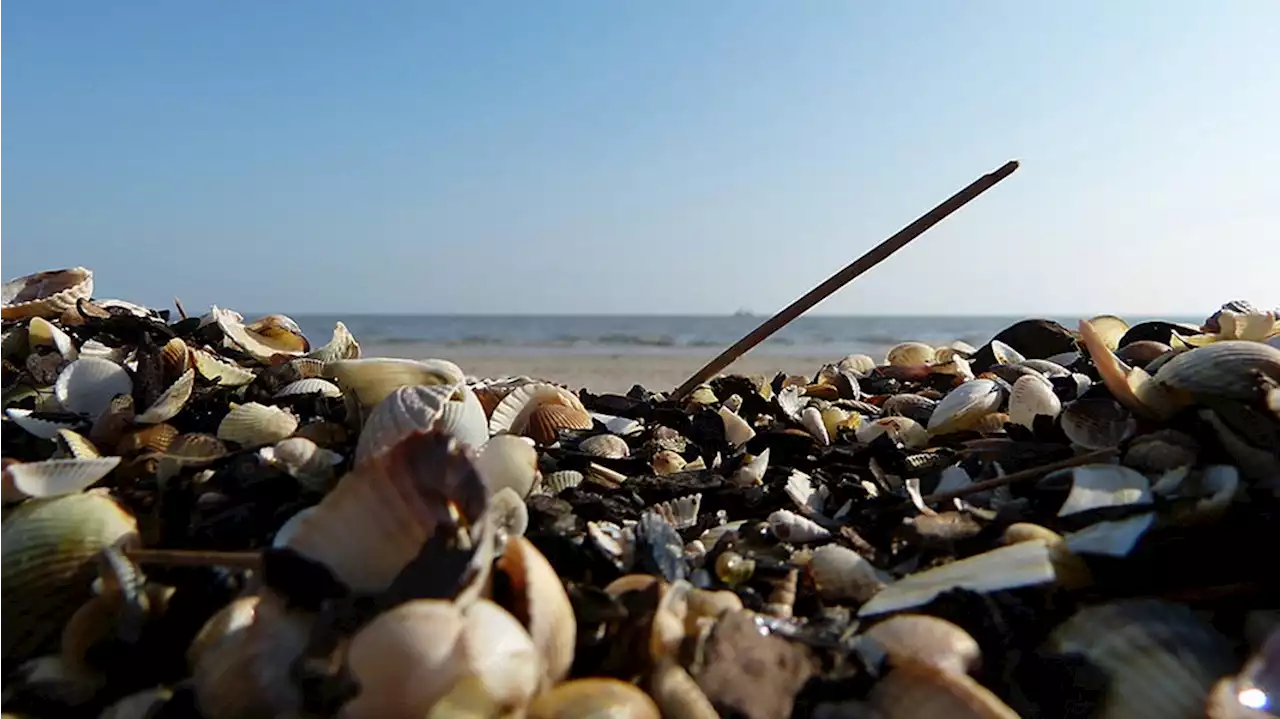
x=213, y=517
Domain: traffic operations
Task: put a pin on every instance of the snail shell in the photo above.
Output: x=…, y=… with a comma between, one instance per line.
x=788, y=526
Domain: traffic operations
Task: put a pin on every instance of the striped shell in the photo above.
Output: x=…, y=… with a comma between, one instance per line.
x=912, y=406
x=788, y=526
x=557, y=482
x=45, y=294
x=54, y=477
x=539, y=411
x=252, y=424
x=452, y=408
x=153, y=438
x=171, y=402
x=309, y=385
x=965, y=405
x=175, y=355
x=610, y=446
x=1222, y=369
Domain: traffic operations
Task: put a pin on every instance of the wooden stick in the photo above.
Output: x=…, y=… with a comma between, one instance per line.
x=873, y=257
x=1022, y=475
x=196, y=558
x=182, y=312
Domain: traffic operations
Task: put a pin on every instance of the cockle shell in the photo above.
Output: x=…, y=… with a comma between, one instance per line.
x=541, y=603
x=309, y=385
x=224, y=373
x=905, y=430
x=54, y=477
x=72, y=444
x=264, y=339
x=928, y=640
x=1227, y=369
x=508, y=461
x=87, y=386
x=189, y=450
x=42, y=428
x=303, y=460
x=736, y=429
x=557, y=482
x=371, y=380
x=681, y=512
x=175, y=355
x=839, y=573
x=252, y=424
x=43, y=333
x=45, y=294
x=858, y=364
x=1031, y=397
x=909, y=354
x=594, y=697
x=965, y=405
x=788, y=526
x=343, y=346
x=152, y=438
x=610, y=446
x=452, y=408
x=1096, y=423
x=539, y=410
x=171, y=402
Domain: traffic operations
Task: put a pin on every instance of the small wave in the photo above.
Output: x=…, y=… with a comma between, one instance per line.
x=475, y=341
x=640, y=340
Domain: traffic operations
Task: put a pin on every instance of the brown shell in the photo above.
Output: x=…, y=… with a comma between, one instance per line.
x=113, y=423
x=992, y=423
x=153, y=438
x=324, y=434
x=594, y=697
x=176, y=357
x=546, y=422
x=927, y=640
x=489, y=399
x=920, y=691
x=1161, y=451
x=1142, y=352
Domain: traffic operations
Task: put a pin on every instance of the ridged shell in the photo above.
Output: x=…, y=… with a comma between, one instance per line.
x=557, y=482
x=1031, y=397
x=372, y=380
x=594, y=697
x=907, y=431
x=263, y=340
x=912, y=406
x=42, y=428
x=919, y=691
x=788, y=526
x=54, y=477
x=72, y=444
x=155, y=438
x=610, y=446
x=45, y=294
x=1223, y=369
x=858, y=364
x=171, y=402
x=909, y=354
x=510, y=515
x=508, y=461
x=309, y=385
x=224, y=373
x=928, y=640
x=1096, y=423
x=539, y=410
x=87, y=386
x=303, y=460
x=252, y=424
x=1046, y=367
x=542, y=604
x=452, y=408
x=839, y=573
x=49, y=552
x=965, y=405
x=342, y=346
x=736, y=429
x=176, y=357
x=681, y=512
x=545, y=423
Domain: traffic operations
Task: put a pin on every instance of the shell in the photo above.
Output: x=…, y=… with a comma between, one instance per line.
x=42, y=428
x=736, y=429
x=788, y=526
x=857, y=364
x=1161, y=451
x=540, y=600
x=1031, y=397
x=927, y=640
x=1071, y=570
x=800, y=489
x=263, y=340
x=54, y=477
x=1110, y=329
x=176, y=357
x=752, y=471
x=912, y=406
x=839, y=573
x=508, y=461
x=224, y=373
x=252, y=424
x=1223, y=369
x=811, y=420
x=74, y=445
x=111, y=425
x=557, y=482
x=1046, y=367
x=907, y=431
x=510, y=515
x=539, y=410
x=170, y=403
x=49, y=551
x=1097, y=423
x=370, y=381
x=667, y=462
x=965, y=405
x=309, y=385
x=43, y=333
x=677, y=694
x=303, y=460
x=1004, y=354
x=87, y=386
x=594, y=697
x=682, y=512
x=342, y=346
x=1102, y=485
x=155, y=438
x=190, y=450
x=139, y=705
x=45, y=294
x=1142, y=353
x=919, y=691
x=452, y=408
x=609, y=446
x=909, y=354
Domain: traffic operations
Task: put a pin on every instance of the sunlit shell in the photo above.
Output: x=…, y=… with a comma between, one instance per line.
x=1161, y=451
x=539, y=411
x=1031, y=397
x=912, y=406
x=343, y=346
x=176, y=357
x=510, y=515
x=736, y=429
x=371, y=380
x=667, y=462
x=919, y=691
x=1096, y=423
x=451, y=408
x=1254, y=325
x=858, y=364
x=1110, y=328
x=610, y=446
x=87, y=386
x=557, y=482
x=1071, y=570
x=839, y=573
x=909, y=354
x=752, y=471
x=681, y=512
x=309, y=385
x=170, y=403
x=43, y=333
x=54, y=477
x=1004, y=354
x=72, y=444
x=229, y=649
x=811, y=420
x=224, y=373
x=928, y=640
x=152, y=438
x=703, y=395
x=49, y=550
x=264, y=339
x=1228, y=369
x=45, y=294
x=42, y=428
x=508, y=461
x=1094, y=486
x=907, y=431
x=1045, y=367
x=252, y=424
x=677, y=694
x=788, y=526
x=594, y=697
x=541, y=603
x=800, y=489
x=1131, y=386
x=1017, y=565
x=304, y=460
x=965, y=405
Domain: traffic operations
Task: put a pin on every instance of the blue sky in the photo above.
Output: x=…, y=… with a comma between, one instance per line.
x=645, y=156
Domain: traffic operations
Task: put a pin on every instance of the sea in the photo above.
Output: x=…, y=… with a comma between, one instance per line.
x=535, y=335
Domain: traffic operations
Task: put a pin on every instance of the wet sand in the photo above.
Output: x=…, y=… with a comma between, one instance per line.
x=600, y=372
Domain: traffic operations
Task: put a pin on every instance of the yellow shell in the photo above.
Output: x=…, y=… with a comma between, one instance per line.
x=46, y=294
x=927, y=640
x=594, y=697
x=542, y=604
x=154, y=438
x=546, y=422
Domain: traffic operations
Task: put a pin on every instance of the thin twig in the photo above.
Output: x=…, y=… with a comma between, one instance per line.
x=196, y=558
x=1022, y=475
x=873, y=257
x=181, y=311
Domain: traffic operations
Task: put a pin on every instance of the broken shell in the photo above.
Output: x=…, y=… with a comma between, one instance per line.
x=1131, y=386
x=839, y=573
x=788, y=526
x=43, y=333
x=909, y=354
x=1031, y=397
x=610, y=446
x=1161, y=451
x=170, y=403
x=907, y=431
x=682, y=512
x=539, y=411
x=736, y=429
x=542, y=605
x=1226, y=369
x=42, y=428
x=263, y=339
x=667, y=462
x=370, y=381
x=1094, y=486
x=811, y=420
x=991, y=423
x=591, y=698
x=45, y=294
x=224, y=373
x=1071, y=570
x=927, y=640
x=1110, y=330
x=918, y=691
x=176, y=357
x=252, y=424
x=54, y=477
x=343, y=346
x=557, y=482
x=309, y=385
x=510, y=515
x=508, y=461
x=87, y=386
x=752, y=471
x=451, y=408
x=1097, y=423
x=964, y=406
x=303, y=460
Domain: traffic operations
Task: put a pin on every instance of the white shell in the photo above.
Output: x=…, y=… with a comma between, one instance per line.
x=904, y=429
x=510, y=514
x=800, y=489
x=1103, y=485
x=54, y=477
x=508, y=461
x=304, y=460
x=965, y=405
x=371, y=380
x=1032, y=396
x=557, y=482
x=1045, y=367
x=858, y=364
x=623, y=426
x=513, y=412
x=909, y=354
x=343, y=346
x=752, y=472
x=171, y=402
x=736, y=429
x=414, y=408
x=681, y=512
x=789, y=401
x=790, y=527
x=839, y=573
x=257, y=346
x=94, y=348
x=811, y=419
x=42, y=428
x=1112, y=538
x=252, y=424
x=87, y=386
x=605, y=445
x=226, y=374
x=42, y=332
x=286, y=531
x=310, y=385
x=1004, y=354
x=1016, y=565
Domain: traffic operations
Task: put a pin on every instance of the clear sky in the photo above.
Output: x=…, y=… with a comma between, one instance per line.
x=645, y=156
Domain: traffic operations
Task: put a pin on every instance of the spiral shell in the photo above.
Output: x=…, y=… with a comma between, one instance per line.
x=45, y=294
x=788, y=526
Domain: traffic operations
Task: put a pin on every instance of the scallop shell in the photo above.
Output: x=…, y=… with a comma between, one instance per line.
x=965, y=405
x=87, y=386
x=736, y=429
x=1097, y=423
x=927, y=640
x=790, y=527
x=907, y=431
x=224, y=373
x=171, y=402
x=610, y=446
x=43, y=333
x=343, y=346
x=909, y=354
x=49, y=551
x=545, y=423
x=303, y=460
x=42, y=428
x=919, y=691
x=682, y=512
x=45, y=294
x=74, y=445
x=153, y=438
x=594, y=697
x=557, y=482
x=857, y=364
x=371, y=380
x=508, y=461
x=54, y=477
x=839, y=573
x=309, y=385
x=540, y=600
x=452, y=408
x=264, y=339
x=1226, y=369
x=1031, y=397
x=252, y=424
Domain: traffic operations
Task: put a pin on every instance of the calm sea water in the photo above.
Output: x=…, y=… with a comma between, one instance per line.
x=569, y=335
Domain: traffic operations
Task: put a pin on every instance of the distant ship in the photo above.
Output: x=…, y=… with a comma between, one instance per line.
x=742, y=312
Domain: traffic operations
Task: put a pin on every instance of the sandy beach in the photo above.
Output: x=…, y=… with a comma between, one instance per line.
x=599, y=372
